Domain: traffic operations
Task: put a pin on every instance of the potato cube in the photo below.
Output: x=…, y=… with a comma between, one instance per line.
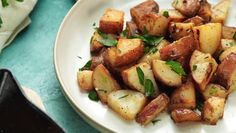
x=174, y=15
x=188, y=8
x=220, y=11
x=179, y=30
x=214, y=90
x=227, y=52
x=112, y=21
x=228, y=32
x=205, y=10
x=95, y=45
x=184, y=115
x=85, y=80
x=227, y=43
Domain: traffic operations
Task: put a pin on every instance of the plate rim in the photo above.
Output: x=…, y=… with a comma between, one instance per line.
x=66, y=94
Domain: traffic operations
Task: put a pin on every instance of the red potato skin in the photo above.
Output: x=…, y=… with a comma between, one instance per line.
x=190, y=8
x=184, y=115
x=131, y=28
x=225, y=69
x=196, y=20
x=98, y=59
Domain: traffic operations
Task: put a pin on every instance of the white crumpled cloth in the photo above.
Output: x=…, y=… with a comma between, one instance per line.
x=15, y=18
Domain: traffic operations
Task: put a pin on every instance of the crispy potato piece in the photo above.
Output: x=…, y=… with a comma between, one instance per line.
x=103, y=82
x=127, y=103
x=227, y=43
x=95, y=45
x=174, y=15
x=208, y=37
x=143, y=8
x=214, y=90
x=155, y=24
x=156, y=55
x=205, y=10
x=85, y=80
x=179, y=30
x=183, y=97
x=226, y=73
x=202, y=67
x=184, y=115
x=126, y=52
x=213, y=110
x=228, y=32
x=220, y=11
x=227, y=52
x=188, y=8
x=131, y=78
x=132, y=28
x=112, y=21
x=196, y=20
x=165, y=74
x=153, y=109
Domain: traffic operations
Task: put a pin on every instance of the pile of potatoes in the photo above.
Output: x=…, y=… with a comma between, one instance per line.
x=194, y=35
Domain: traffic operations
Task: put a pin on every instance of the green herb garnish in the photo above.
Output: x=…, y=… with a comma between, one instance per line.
x=93, y=95
x=124, y=33
x=153, y=50
x=213, y=90
x=155, y=121
x=107, y=39
x=94, y=24
x=200, y=105
x=166, y=14
x=140, y=75
x=148, y=39
x=194, y=67
x=234, y=37
x=220, y=52
x=149, y=88
x=5, y=3
x=123, y=96
x=0, y=22
x=86, y=66
x=101, y=90
x=176, y=67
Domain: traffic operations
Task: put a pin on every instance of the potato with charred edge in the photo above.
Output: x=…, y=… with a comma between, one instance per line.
x=196, y=20
x=130, y=77
x=179, y=30
x=155, y=24
x=184, y=96
x=188, y=8
x=214, y=90
x=131, y=28
x=220, y=11
x=174, y=15
x=153, y=109
x=165, y=74
x=202, y=67
x=143, y=8
x=95, y=45
x=103, y=82
x=85, y=80
x=205, y=10
x=156, y=54
x=226, y=73
x=227, y=52
x=127, y=103
x=127, y=51
x=112, y=21
x=228, y=32
x=184, y=115
x=208, y=37
x=213, y=110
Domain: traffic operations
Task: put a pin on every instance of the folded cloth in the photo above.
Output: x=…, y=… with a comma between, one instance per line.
x=14, y=18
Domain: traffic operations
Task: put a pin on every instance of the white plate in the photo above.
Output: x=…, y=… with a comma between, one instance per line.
x=73, y=40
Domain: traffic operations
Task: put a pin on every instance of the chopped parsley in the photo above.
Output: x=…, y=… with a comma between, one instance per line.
x=106, y=39
x=124, y=33
x=176, y=67
x=94, y=24
x=123, y=96
x=93, y=95
x=234, y=37
x=213, y=90
x=166, y=14
x=5, y=3
x=0, y=22
x=153, y=50
x=86, y=66
x=155, y=121
x=194, y=67
x=140, y=75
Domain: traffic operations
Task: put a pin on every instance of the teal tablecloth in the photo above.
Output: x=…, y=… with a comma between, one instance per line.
x=30, y=58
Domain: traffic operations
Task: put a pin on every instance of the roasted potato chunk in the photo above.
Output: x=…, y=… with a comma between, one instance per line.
x=183, y=97
x=165, y=74
x=205, y=10
x=127, y=51
x=112, y=21
x=95, y=45
x=127, y=103
x=214, y=90
x=143, y=8
x=202, y=67
x=154, y=55
x=155, y=24
x=213, y=110
x=220, y=11
x=227, y=43
x=226, y=73
x=227, y=52
x=196, y=20
x=153, y=109
x=184, y=115
x=188, y=8
x=85, y=80
x=179, y=30
x=130, y=77
x=208, y=37
x=174, y=15
x=103, y=82
x=132, y=28
x=228, y=32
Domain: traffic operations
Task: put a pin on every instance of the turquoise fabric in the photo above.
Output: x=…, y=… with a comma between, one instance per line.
x=30, y=58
